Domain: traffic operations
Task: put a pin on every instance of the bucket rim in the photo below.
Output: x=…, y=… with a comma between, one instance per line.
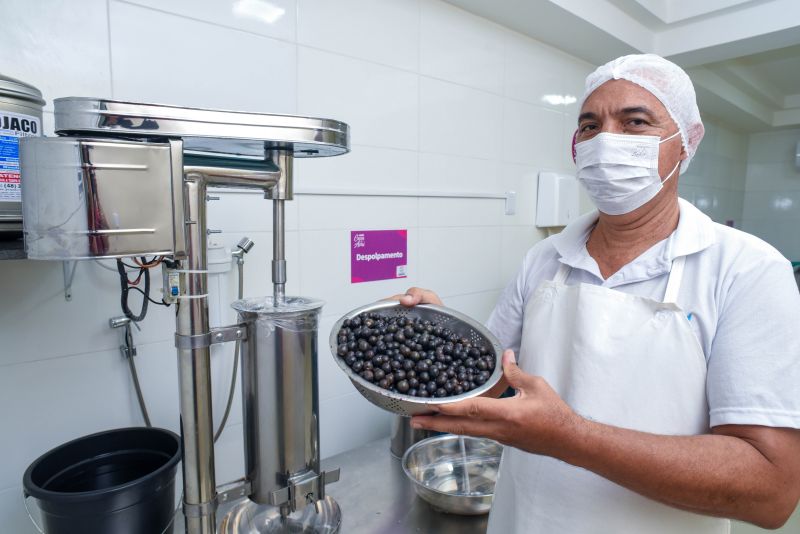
x=31, y=489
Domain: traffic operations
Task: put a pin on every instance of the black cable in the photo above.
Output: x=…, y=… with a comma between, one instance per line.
x=162, y=303
x=124, y=285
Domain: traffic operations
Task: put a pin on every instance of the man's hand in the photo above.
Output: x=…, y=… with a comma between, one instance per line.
x=751, y=473
x=417, y=295
x=534, y=420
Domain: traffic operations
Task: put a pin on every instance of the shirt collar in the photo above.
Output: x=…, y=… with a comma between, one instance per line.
x=695, y=232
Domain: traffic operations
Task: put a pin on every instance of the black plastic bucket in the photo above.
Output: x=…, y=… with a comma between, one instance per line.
x=115, y=482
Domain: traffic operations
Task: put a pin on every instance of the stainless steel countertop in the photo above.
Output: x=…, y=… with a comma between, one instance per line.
x=376, y=498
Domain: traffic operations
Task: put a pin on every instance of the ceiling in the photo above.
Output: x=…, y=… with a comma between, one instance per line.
x=743, y=55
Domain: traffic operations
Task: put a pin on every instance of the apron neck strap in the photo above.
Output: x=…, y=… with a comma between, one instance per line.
x=674, y=282
x=562, y=274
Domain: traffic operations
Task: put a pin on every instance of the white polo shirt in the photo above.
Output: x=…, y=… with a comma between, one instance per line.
x=739, y=293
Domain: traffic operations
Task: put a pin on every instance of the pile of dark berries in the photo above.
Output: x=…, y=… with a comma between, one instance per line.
x=413, y=357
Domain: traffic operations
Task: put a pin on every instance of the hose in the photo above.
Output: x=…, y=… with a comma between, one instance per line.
x=237, y=353
x=135, y=375
x=139, y=395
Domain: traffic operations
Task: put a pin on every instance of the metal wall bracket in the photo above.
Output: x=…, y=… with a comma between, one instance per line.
x=222, y=334
x=234, y=490
x=304, y=489
x=68, y=268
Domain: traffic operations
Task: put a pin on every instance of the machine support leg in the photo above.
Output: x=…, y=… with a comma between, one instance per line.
x=194, y=370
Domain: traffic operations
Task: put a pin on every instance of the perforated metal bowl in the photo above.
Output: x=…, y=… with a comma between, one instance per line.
x=455, y=321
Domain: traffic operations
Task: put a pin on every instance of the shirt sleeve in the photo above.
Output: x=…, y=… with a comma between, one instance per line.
x=506, y=319
x=754, y=366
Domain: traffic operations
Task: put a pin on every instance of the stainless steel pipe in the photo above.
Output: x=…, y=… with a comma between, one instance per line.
x=194, y=368
x=193, y=341
x=278, y=253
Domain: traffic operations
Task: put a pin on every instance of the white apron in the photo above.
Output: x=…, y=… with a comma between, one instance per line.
x=618, y=359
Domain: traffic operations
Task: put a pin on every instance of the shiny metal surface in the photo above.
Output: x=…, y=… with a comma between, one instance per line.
x=280, y=400
x=20, y=92
x=205, y=131
x=455, y=474
x=248, y=517
x=17, y=98
x=176, y=154
x=194, y=368
x=90, y=198
x=402, y=436
x=456, y=321
x=278, y=252
x=376, y=497
x=192, y=322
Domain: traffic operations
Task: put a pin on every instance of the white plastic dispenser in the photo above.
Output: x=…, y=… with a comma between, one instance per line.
x=557, y=199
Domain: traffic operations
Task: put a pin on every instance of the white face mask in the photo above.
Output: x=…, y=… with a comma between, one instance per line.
x=620, y=171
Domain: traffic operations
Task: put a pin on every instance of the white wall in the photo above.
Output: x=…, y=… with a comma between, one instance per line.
x=772, y=198
x=715, y=180
x=437, y=100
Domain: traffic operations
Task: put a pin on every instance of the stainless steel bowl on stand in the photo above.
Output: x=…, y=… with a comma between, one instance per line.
x=455, y=474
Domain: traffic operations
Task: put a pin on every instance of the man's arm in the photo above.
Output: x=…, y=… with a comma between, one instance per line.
x=751, y=473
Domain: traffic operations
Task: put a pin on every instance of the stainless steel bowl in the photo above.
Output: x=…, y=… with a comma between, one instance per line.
x=456, y=321
x=455, y=474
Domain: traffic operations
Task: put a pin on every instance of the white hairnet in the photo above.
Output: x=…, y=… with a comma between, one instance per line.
x=667, y=82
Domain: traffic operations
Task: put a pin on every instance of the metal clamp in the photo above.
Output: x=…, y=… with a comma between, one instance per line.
x=236, y=489
x=303, y=489
x=222, y=334
x=201, y=509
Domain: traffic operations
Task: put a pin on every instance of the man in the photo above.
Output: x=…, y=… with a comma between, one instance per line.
x=658, y=372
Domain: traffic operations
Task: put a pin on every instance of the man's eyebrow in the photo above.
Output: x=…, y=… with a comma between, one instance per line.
x=638, y=109
x=589, y=115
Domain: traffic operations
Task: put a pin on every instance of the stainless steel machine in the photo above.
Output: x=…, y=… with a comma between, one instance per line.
x=126, y=179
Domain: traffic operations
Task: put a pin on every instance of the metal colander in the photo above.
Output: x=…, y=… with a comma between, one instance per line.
x=457, y=322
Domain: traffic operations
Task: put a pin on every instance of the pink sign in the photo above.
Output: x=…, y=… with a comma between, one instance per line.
x=378, y=255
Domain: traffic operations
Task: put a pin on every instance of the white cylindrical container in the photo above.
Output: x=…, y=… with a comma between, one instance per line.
x=20, y=116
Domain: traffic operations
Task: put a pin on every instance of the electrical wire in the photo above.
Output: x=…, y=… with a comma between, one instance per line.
x=145, y=265
x=132, y=268
x=162, y=303
x=125, y=288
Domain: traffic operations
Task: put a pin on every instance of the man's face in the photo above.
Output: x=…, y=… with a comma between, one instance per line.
x=622, y=107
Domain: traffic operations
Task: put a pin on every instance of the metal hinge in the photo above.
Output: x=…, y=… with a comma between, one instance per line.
x=222, y=334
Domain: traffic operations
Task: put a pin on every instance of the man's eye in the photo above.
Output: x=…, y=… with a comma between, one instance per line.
x=637, y=122
x=587, y=127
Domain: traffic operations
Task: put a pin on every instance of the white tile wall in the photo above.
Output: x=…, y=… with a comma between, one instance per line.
x=459, y=120
x=187, y=62
x=772, y=197
x=276, y=18
x=715, y=180
x=61, y=50
x=440, y=172
x=438, y=100
x=379, y=103
x=383, y=31
x=460, y=47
